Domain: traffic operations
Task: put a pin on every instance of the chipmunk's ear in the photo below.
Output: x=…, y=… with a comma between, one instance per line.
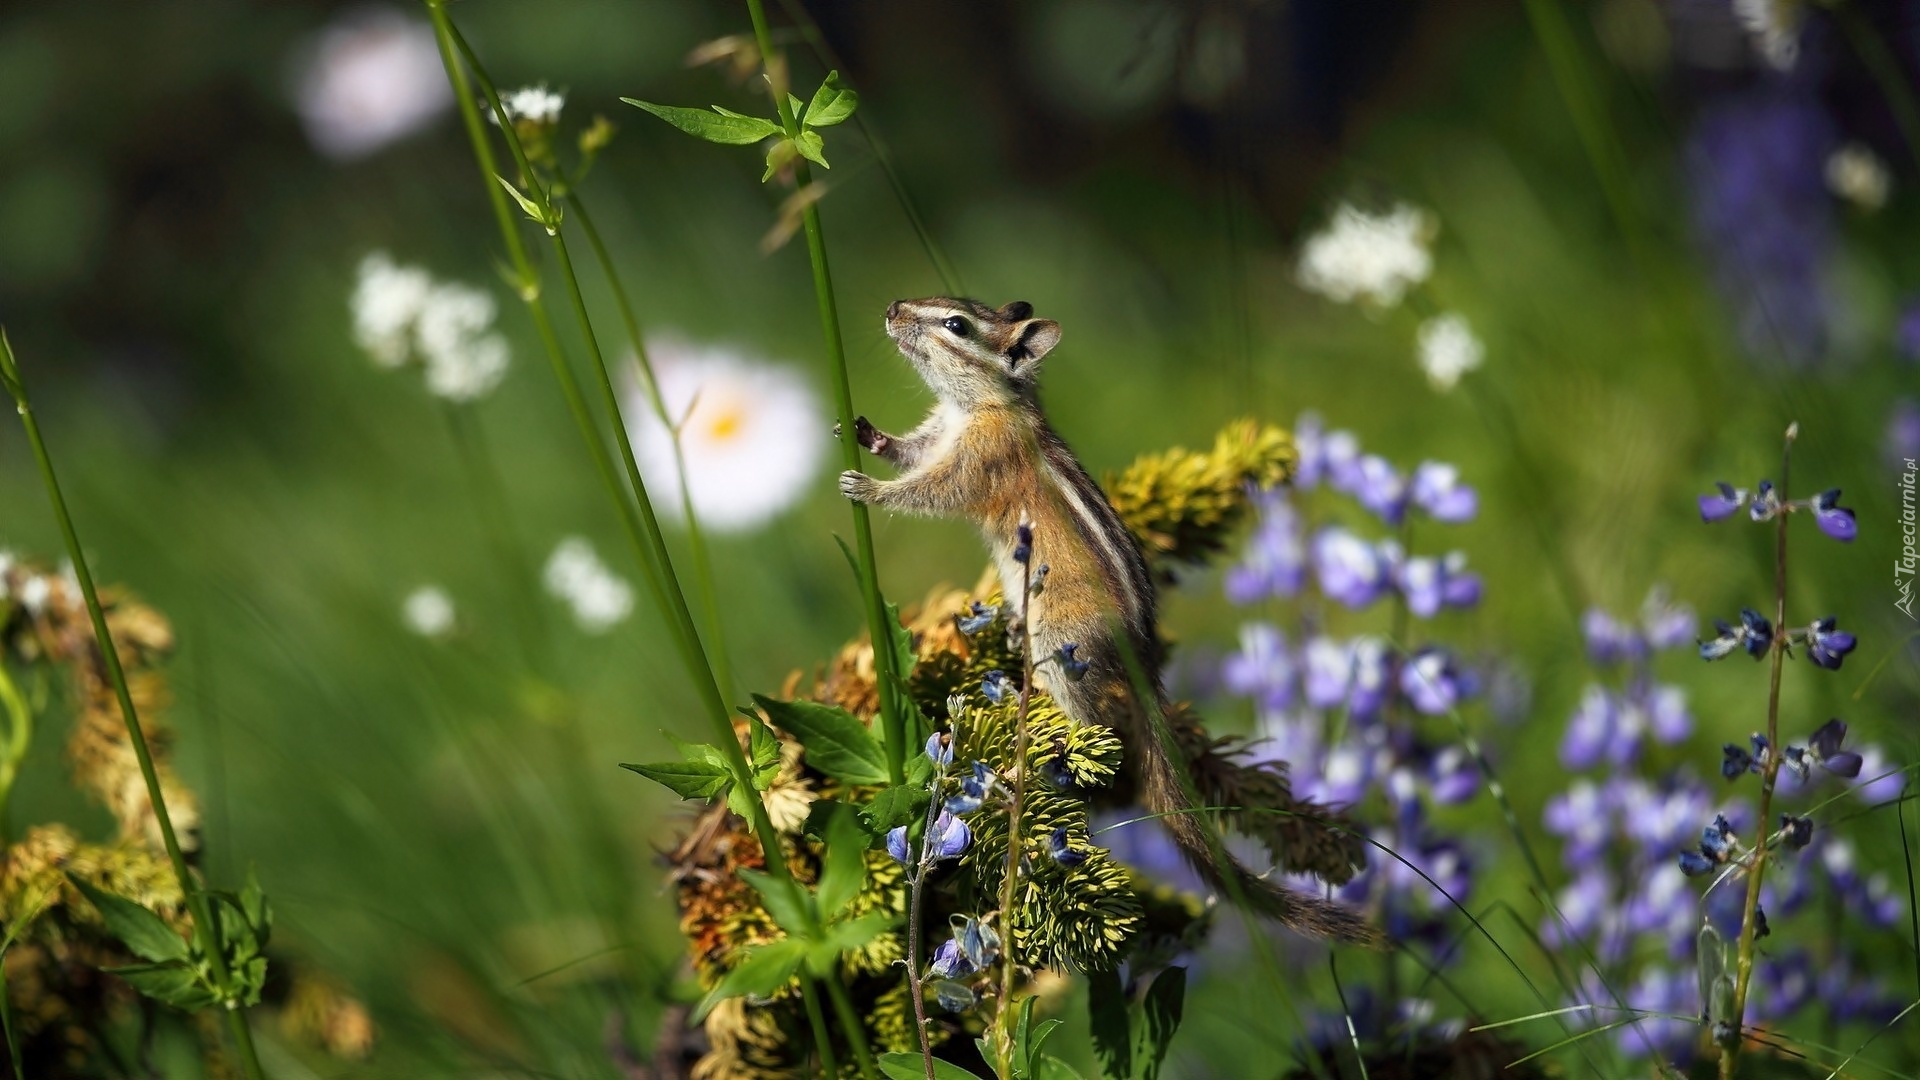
x=1032, y=341
x=1017, y=310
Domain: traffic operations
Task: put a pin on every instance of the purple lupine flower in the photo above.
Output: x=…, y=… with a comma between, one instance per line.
x=897, y=843
x=1453, y=777
x=1061, y=848
x=1660, y=818
x=1901, y=442
x=1436, y=489
x=1766, y=504
x=1880, y=780
x=1582, y=905
x=1590, y=730
x=980, y=617
x=1071, y=666
x=1906, y=335
x=1834, y=520
x=1275, y=561
x=1380, y=488
x=1022, y=542
x=1327, y=672
x=1666, y=624
x=1736, y=762
x=1661, y=996
x=1263, y=669
x=1309, y=444
x=1609, y=641
x=1762, y=213
x=948, y=962
x=1826, y=645
x=1345, y=774
x=1422, y=580
x=973, y=790
x=1783, y=982
x=1797, y=832
x=1667, y=715
x=954, y=996
x=1460, y=587
x=979, y=943
x=1823, y=746
x=996, y=686
x=1579, y=816
x=948, y=837
x=940, y=749
x=1663, y=905
x=1350, y=570
x=1723, y=504
x=1853, y=996
x=1371, y=680
x=1754, y=634
x=1431, y=682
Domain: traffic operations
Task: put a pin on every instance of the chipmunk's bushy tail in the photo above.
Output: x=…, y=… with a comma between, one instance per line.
x=1163, y=792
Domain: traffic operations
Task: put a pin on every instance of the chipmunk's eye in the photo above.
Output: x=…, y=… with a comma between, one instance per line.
x=956, y=326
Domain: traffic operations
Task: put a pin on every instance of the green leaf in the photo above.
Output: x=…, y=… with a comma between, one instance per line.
x=687, y=779
x=844, y=866
x=1112, y=1032
x=254, y=906
x=837, y=743
x=914, y=1067
x=844, y=937
x=1039, y=1038
x=765, y=969
x=1052, y=1068
x=905, y=656
x=831, y=104
x=531, y=208
x=785, y=900
x=763, y=750
x=919, y=770
x=719, y=126
x=799, y=107
x=1160, y=1013
x=895, y=806
x=147, y=935
x=177, y=983
x=812, y=147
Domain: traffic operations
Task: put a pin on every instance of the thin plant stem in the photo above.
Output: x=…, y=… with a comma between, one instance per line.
x=1730, y=1054
x=916, y=893
x=204, y=926
x=1004, y=1018
x=893, y=712
x=696, y=536
x=636, y=511
x=817, y=1020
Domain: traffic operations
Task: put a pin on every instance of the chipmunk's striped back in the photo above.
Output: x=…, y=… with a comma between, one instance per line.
x=987, y=454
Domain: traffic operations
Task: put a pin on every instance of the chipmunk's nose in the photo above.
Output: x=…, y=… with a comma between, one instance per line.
x=893, y=310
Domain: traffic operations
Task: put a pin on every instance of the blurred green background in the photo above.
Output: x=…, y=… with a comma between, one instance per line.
x=435, y=825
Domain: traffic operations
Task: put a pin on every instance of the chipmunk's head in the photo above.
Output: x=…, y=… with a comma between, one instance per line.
x=969, y=353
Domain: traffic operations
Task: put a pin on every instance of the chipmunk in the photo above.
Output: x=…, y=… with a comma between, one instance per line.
x=986, y=453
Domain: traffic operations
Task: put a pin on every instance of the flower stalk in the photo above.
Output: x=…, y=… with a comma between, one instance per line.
x=1004, y=1014
x=636, y=510
x=1743, y=972
x=204, y=927
x=893, y=711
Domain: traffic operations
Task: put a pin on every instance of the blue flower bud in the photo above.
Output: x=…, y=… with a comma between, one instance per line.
x=1757, y=632
x=1062, y=850
x=1826, y=645
x=1719, y=507
x=1834, y=520
x=982, y=617
x=940, y=749
x=1023, y=543
x=953, y=996
x=1736, y=762
x=1693, y=864
x=1074, y=669
x=1824, y=747
x=948, y=837
x=1796, y=832
x=897, y=844
x=948, y=962
x=1766, y=502
x=996, y=686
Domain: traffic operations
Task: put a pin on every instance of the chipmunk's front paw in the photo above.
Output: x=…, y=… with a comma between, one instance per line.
x=858, y=486
x=870, y=438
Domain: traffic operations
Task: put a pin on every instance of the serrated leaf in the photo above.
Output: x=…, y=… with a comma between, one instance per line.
x=837, y=743
x=687, y=779
x=763, y=750
x=144, y=933
x=844, y=866
x=812, y=147
x=785, y=900
x=1111, y=1029
x=718, y=126
x=764, y=970
x=914, y=1067
x=919, y=770
x=175, y=983
x=831, y=104
x=1159, y=1019
x=531, y=208
x=895, y=806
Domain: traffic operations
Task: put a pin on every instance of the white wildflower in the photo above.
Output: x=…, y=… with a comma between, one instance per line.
x=369, y=78
x=386, y=302
x=535, y=104
x=35, y=592
x=1857, y=175
x=753, y=434
x=400, y=313
x=599, y=597
x=428, y=611
x=465, y=357
x=1448, y=350
x=1371, y=257
x=1774, y=27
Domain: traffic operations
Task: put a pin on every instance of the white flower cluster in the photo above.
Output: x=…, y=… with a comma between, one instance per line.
x=1774, y=26
x=1857, y=175
x=369, y=78
x=535, y=104
x=428, y=611
x=1366, y=256
x=1448, y=349
x=599, y=597
x=35, y=591
x=751, y=433
x=401, y=312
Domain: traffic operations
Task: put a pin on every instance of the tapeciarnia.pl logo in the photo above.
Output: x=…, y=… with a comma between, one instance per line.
x=1904, y=566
